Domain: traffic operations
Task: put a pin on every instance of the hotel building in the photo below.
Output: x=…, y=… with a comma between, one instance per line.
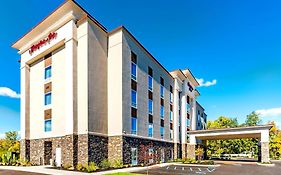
x=88, y=95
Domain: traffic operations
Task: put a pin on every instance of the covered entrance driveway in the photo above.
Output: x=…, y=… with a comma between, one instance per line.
x=260, y=132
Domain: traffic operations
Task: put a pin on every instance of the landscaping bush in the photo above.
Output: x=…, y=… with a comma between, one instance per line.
x=79, y=167
x=105, y=164
x=91, y=167
x=66, y=166
x=117, y=164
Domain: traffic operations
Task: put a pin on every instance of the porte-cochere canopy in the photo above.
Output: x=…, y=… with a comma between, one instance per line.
x=261, y=132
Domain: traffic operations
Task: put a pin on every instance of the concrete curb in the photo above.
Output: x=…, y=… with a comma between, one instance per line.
x=268, y=165
x=196, y=165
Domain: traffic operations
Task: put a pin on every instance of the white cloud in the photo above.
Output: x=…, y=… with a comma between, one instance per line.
x=204, y=83
x=5, y=91
x=269, y=112
x=272, y=114
x=2, y=136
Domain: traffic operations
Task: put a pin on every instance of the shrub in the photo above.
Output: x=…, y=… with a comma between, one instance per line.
x=79, y=167
x=117, y=164
x=91, y=167
x=66, y=166
x=105, y=164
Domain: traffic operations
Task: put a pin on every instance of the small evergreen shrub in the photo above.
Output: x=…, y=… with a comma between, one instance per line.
x=79, y=167
x=91, y=167
x=105, y=164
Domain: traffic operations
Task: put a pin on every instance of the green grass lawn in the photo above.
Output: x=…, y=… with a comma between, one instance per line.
x=122, y=174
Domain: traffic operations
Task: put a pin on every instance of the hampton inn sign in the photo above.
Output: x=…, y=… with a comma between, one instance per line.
x=35, y=47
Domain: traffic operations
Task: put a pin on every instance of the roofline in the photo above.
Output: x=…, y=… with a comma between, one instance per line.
x=87, y=13
x=193, y=76
x=179, y=70
x=126, y=30
x=199, y=104
x=230, y=129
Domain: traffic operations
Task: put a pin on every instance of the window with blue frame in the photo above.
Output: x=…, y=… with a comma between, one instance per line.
x=48, y=125
x=134, y=98
x=171, y=97
x=162, y=132
x=48, y=72
x=162, y=91
x=134, y=125
x=134, y=71
x=150, y=83
x=187, y=107
x=171, y=115
x=187, y=122
x=48, y=98
x=150, y=130
x=150, y=106
x=162, y=111
x=171, y=134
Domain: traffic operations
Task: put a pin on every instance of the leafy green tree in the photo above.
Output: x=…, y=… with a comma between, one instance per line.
x=252, y=119
x=11, y=136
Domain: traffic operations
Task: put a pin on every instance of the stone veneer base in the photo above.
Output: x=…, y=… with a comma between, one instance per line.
x=92, y=148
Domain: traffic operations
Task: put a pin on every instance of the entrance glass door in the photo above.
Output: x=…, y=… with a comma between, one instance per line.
x=134, y=157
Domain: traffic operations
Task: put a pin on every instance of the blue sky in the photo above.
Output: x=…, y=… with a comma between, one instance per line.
x=236, y=44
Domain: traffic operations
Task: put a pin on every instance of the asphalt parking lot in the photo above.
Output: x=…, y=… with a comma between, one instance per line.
x=179, y=170
x=11, y=172
x=224, y=169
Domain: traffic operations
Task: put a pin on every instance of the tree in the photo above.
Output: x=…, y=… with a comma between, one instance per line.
x=199, y=153
x=252, y=119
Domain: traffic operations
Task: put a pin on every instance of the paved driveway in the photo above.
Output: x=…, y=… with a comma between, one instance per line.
x=11, y=172
x=229, y=169
x=179, y=170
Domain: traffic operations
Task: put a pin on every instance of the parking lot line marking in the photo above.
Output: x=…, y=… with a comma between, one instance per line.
x=182, y=168
x=190, y=169
x=167, y=168
x=175, y=168
x=199, y=169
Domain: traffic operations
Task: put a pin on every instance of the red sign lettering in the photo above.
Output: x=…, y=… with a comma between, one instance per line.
x=37, y=46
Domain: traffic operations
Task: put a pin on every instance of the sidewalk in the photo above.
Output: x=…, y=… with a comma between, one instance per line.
x=47, y=170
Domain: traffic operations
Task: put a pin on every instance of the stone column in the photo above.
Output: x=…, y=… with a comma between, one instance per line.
x=24, y=149
x=183, y=150
x=175, y=150
x=264, y=151
x=115, y=148
x=191, y=151
x=191, y=147
x=264, y=145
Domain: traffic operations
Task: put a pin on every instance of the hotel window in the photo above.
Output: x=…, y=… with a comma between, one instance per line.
x=162, y=132
x=150, y=130
x=171, y=134
x=134, y=125
x=162, y=111
x=150, y=106
x=48, y=125
x=133, y=66
x=134, y=98
x=48, y=72
x=150, y=155
x=171, y=94
x=150, y=79
x=162, y=87
x=171, y=115
x=150, y=83
x=188, y=122
x=48, y=98
x=162, y=91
